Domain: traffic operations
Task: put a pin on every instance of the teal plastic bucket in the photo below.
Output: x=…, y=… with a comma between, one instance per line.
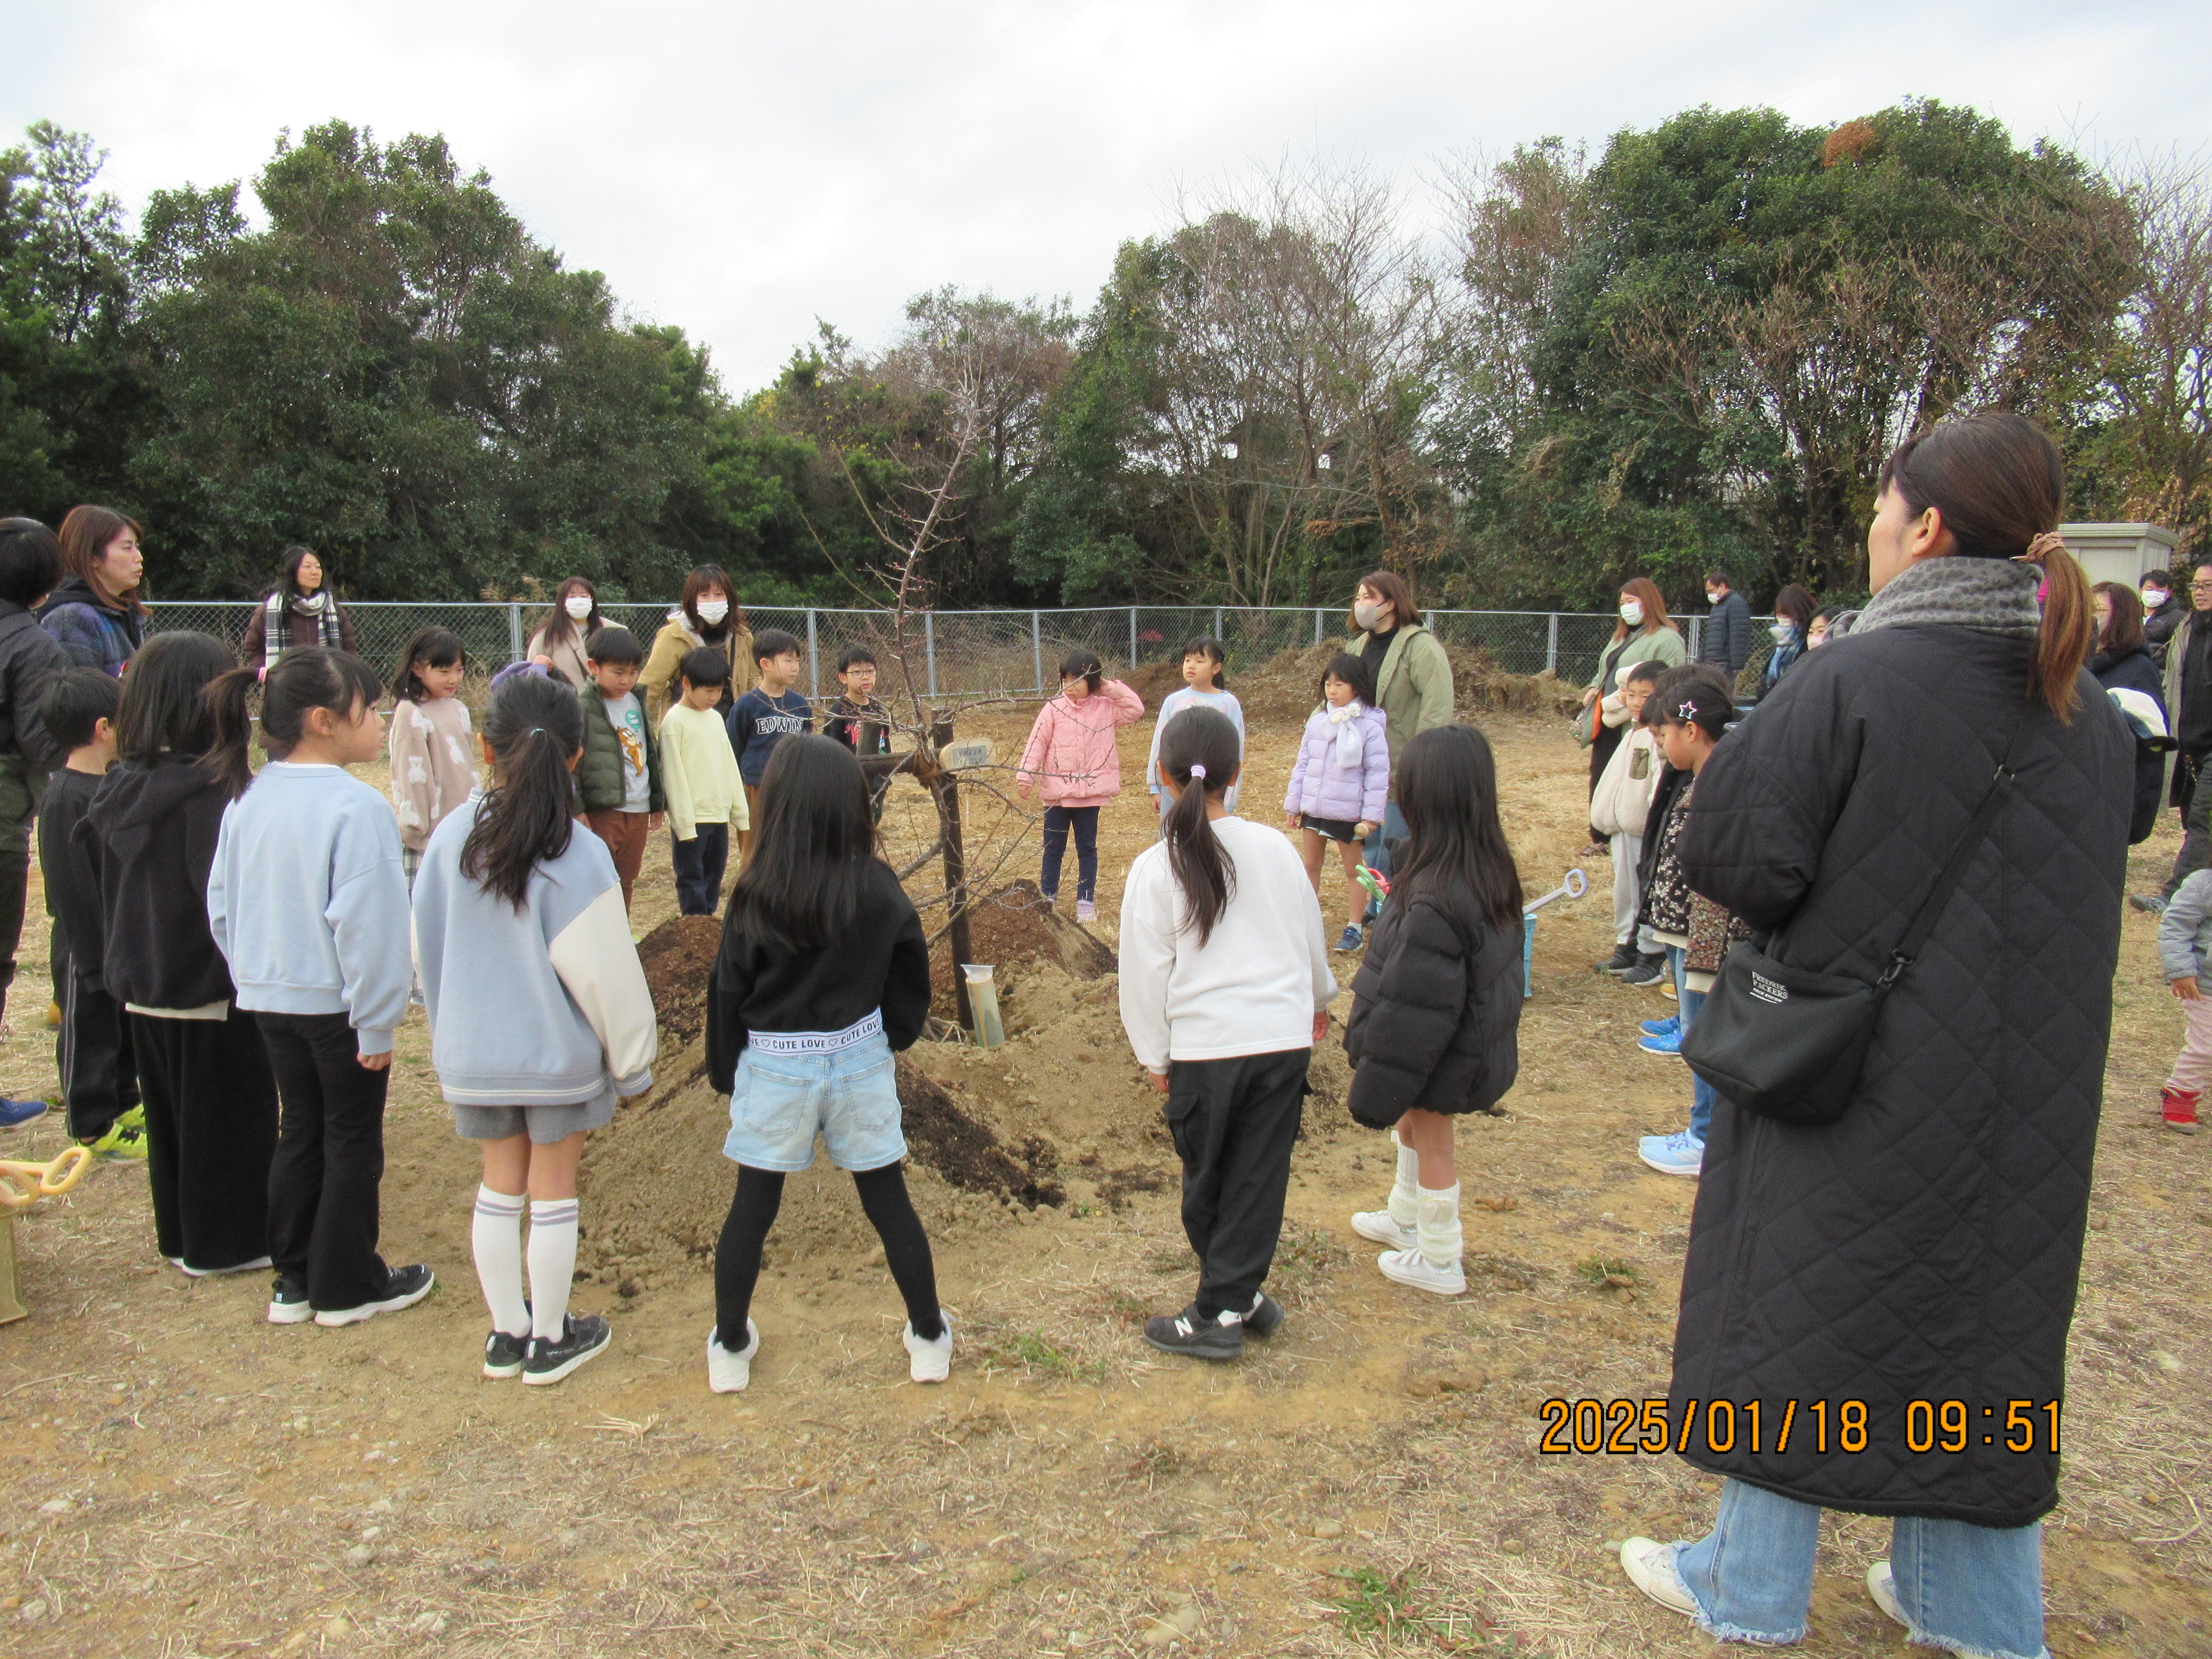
x=1528, y=953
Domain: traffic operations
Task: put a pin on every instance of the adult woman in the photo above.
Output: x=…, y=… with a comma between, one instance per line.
x=707, y=615
x=2123, y=661
x=299, y=611
x=1412, y=684
x=1794, y=611
x=30, y=568
x=1925, y=1246
x=95, y=615
x=563, y=639
x=1643, y=634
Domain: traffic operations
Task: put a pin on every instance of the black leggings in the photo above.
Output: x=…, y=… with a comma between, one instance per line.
x=752, y=1213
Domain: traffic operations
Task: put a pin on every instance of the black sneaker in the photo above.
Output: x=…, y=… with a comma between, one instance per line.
x=1648, y=970
x=1624, y=957
x=504, y=1354
x=1266, y=1317
x=2149, y=904
x=1220, y=1338
x=288, y=1302
x=404, y=1289
x=583, y=1337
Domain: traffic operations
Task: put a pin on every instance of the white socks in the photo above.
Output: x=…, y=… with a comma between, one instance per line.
x=1437, y=1226
x=553, y=1264
x=1402, y=1191
x=497, y=1238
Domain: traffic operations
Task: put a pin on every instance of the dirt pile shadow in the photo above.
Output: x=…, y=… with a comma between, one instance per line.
x=966, y=1153
x=1017, y=932
x=677, y=957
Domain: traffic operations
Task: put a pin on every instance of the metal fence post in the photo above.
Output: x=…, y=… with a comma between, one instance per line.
x=1216, y=626
x=1316, y=624
x=1697, y=639
x=813, y=656
x=513, y=631
x=1551, y=646
x=1132, y=636
x=929, y=639
x=1036, y=648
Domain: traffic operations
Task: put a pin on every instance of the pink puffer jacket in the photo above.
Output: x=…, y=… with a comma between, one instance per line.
x=1072, y=757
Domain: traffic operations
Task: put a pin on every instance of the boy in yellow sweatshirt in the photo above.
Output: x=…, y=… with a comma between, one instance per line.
x=699, y=773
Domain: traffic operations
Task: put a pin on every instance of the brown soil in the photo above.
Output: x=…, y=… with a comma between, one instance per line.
x=676, y=956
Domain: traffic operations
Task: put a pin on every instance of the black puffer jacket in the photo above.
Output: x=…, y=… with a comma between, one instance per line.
x=1927, y=1246
x=2137, y=671
x=156, y=828
x=29, y=660
x=1437, y=1017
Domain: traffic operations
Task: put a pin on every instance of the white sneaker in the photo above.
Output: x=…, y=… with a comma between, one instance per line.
x=1651, y=1568
x=1882, y=1584
x=254, y=1265
x=727, y=1372
x=1086, y=911
x=930, y=1361
x=1410, y=1266
x=1678, y=1154
x=1383, y=1227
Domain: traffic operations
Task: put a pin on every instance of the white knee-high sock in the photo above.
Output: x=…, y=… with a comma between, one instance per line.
x=496, y=1237
x=1404, y=1190
x=552, y=1264
x=1439, y=1225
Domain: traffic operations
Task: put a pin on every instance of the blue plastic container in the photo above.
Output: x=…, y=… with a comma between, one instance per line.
x=1528, y=953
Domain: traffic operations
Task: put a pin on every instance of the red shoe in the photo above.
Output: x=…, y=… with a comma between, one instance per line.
x=2179, y=1109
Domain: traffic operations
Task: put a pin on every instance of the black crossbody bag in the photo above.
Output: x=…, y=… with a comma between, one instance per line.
x=1788, y=1043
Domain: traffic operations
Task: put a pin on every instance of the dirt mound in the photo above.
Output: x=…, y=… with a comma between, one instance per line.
x=966, y=1153
x=676, y=956
x=1152, y=681
x=1284, y=689
x=1016, y=930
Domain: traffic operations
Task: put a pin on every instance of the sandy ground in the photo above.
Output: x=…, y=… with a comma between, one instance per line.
x=188, y=1479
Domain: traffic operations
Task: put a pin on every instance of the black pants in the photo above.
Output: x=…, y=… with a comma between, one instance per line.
x=752, y=1213
x=1234, y=1121
x=210, y=1133
x=2193, y=784
x=700, y=862
x=323, y=1182
x=92, y=1052
x=14, y=893
x=1057, y=822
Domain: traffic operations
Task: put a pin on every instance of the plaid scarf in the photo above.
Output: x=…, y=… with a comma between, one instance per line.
x=276, y=635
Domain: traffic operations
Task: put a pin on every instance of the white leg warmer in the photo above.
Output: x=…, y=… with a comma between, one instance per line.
x=1437, y=1226
x=1403, y=1191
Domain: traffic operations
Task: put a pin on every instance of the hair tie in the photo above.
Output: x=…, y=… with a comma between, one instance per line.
x=2042, y=547
x=1198, y=772
x=535, y=732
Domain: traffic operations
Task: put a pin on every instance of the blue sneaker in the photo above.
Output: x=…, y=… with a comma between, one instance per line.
x=1669, y=1027
x=1350, y=939
x=1680, y=1153
x=1670, y=1045
x=15, y=1114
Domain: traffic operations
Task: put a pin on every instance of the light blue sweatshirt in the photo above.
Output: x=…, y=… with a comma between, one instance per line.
x=1189, y=696
x=546, y=1005
x=307, y=901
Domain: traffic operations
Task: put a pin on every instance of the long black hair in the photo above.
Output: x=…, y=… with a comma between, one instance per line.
x=1455, y=852
x=434, y=647
x=304, y=679
x=1354, y=672
x=801, y=889
x=165, y=707
x=1199, y=738
x=559, y=627
x=535, y=727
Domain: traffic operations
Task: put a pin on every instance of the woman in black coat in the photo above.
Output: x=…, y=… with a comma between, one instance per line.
x=2122, y=661
x=1896, y=1286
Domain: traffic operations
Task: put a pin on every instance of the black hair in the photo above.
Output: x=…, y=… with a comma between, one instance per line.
x=2163, y=578
x=559, y=628
x=30, y=561
x=76, y=702
x=813, y=837
x=306, y=677
x=164, y=706
x=854, y=653
x=294, y=557
x=1643, y=671
x=1692, y=695
x=774, y=642
x=1204, y=646
x=1353, y=672
x=1721, y=577
x=1200, y=737
x=1793, y=604
x=704, y=666
x=1082, y=665
x=534, y=726
x=1455, y=852
x=614, y=647
x=434, y=647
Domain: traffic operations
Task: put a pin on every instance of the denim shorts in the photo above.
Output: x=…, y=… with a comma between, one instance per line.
x=780, y=1101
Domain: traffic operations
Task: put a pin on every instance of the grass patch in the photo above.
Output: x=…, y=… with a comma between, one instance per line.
x=1304, y=1261
x=1389, y=1610
x=1604, y=1272
x=1031, y=1352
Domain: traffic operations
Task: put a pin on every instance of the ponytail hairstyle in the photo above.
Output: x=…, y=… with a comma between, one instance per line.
x=1455, y=852
x=1199, y=747
x=1998, y=486
x=434, y=647
x=164, y=709
x=1211, y=649
x=1353, y=672
x=305, y=677
x=535, y=727
x=813, y=839
x=1085, y=665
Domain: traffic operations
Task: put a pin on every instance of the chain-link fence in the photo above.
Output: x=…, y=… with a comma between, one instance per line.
x=972, y=653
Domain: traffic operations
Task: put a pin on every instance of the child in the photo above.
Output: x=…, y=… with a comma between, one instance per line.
x=1225, y=990
x=2184, y=935
x=308, y=904
x=433, y=768
x=858, y=706
x=91, y=1051
x=699, y=775
x=766, y=716
x=1690, y=708
x=619, y=781
x=540, y=1014
x=1437, y=1011
x=1622, y=803
x=1341, y=784
x=1072, y=755
x=823, y=975
x=1204, y=686
x=210, y=1101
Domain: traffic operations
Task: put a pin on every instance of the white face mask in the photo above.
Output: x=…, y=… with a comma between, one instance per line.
x=1631, y=611
x=2152, y=599
x=1781, y=632
x=1366, y=614
x=577, y=606
x=711, y=612
x=1711, y=598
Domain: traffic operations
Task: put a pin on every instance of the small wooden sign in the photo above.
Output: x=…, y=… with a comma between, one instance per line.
x=969, y=752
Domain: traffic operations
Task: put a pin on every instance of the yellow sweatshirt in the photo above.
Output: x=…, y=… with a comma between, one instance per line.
x=699, y=770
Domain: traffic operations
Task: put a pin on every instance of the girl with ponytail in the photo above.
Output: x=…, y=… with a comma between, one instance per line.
x=540, y=1019
x=1226, y=988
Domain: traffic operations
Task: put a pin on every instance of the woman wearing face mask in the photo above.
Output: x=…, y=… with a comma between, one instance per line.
x=563, y=639
x=1643, y=634
x=1413, y=686
x=300, y=610
x=1794, y=611
x=707, y=617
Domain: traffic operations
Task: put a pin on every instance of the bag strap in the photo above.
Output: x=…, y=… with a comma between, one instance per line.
x=1954, y=871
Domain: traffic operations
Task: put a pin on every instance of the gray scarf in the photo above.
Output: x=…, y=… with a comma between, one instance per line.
x=1991, y=595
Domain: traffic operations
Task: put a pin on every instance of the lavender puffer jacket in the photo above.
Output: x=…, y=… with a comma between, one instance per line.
x=1350, y=795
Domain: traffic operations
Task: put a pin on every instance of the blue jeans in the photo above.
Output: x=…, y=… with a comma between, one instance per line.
x=1978, y=1590
x=1702, y=1093
x=1058, y=821
x=1375, y=849
x=779, y=1103
x=700, y=862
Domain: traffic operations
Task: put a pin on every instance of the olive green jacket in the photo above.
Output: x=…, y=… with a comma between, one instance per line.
x=1663, y=644
x=1414, y=687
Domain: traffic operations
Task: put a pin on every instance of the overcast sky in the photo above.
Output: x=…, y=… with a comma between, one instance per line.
x=740, y=169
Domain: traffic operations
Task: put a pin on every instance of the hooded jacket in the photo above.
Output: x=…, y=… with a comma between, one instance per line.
x=155, y=828
x=93, y=633
x=1322, y=785
x=2137, y=671
x=1436, y=1018
x=1070, y=756
x=1412, y=683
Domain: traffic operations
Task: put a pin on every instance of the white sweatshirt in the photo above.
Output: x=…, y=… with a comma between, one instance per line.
x=1255, y=985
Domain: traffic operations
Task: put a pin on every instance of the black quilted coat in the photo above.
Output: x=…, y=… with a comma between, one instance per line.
x=1436, y=1016
x=1927, y=1246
